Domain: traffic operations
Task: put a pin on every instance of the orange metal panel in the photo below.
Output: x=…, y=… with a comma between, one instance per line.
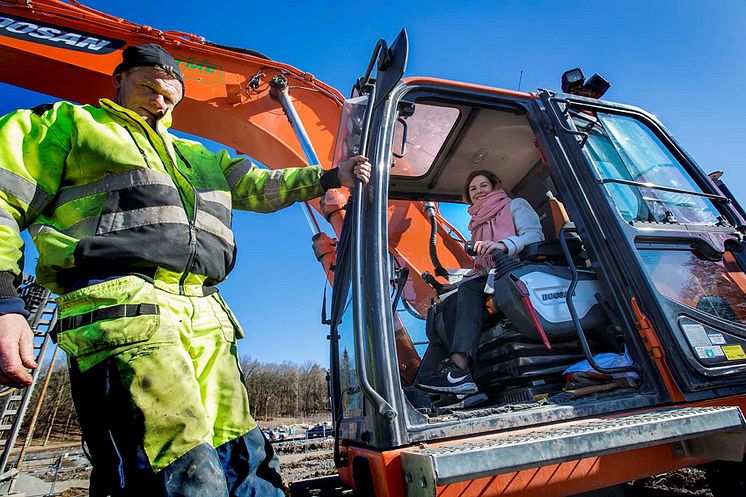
x=385, y=468
x=654, y=348
x=548, y=481
x=574, y=476
x=409, y=235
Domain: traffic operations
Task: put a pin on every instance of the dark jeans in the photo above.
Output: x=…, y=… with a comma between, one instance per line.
x=463, y=316
x=244, y=467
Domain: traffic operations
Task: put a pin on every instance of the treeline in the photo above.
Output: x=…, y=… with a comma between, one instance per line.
x=287, y=389
x=275, y=390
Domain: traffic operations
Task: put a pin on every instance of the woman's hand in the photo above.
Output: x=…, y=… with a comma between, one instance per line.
x=486, y=247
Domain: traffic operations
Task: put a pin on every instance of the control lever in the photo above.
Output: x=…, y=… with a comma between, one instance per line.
x=496, y=254
x=504, y=264
x=469, y=248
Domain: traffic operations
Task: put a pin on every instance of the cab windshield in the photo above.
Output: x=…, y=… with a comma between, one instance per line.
x=623, y=149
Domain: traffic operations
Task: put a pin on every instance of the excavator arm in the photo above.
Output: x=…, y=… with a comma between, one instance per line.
x=69, y=51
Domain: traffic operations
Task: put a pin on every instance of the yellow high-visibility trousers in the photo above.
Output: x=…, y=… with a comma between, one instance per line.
x=174, y=356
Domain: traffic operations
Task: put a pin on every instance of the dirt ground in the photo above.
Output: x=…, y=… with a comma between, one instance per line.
x=300, y=460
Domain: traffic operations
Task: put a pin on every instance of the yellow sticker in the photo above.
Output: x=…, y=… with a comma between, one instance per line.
x=734, y=352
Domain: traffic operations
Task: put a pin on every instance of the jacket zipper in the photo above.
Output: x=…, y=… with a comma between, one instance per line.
x=192, y=227
x=142, y=152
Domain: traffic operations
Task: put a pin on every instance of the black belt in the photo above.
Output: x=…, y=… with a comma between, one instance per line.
x=113, y=312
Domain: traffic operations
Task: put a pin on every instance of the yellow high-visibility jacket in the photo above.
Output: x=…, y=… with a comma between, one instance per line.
x=102, y=193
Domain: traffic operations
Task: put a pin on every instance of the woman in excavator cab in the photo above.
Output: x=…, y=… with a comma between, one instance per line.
x=497, y=223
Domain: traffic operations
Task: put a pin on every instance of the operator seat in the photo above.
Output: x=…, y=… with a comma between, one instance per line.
x=553, y=218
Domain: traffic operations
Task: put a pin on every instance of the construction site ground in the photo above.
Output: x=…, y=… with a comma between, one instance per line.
x=61, y=470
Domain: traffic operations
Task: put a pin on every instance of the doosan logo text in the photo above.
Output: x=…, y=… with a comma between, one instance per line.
x=56, y=36
x=553, y=295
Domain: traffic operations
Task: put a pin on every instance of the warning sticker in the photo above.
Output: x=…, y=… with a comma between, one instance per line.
x=709, y=352
x=696, y=335
x=716, y=338
x=734, y=352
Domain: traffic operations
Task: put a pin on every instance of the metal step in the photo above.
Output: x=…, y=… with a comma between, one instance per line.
x=716, y=433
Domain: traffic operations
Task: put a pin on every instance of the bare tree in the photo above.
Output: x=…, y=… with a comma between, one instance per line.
x=285, y=389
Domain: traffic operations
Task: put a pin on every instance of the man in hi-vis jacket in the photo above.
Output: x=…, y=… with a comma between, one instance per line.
x=133, y=228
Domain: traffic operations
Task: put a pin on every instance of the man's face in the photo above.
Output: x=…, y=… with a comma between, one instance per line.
x=148, y=91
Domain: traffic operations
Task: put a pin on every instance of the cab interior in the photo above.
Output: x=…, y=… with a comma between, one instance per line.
x=435, y=147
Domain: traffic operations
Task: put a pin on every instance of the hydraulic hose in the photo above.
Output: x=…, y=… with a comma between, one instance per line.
x=438, y=267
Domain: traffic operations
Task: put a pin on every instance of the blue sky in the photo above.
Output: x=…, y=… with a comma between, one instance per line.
x=683, y=61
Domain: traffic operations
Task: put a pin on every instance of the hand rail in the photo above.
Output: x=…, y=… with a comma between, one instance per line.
x=653, y=186
x=583, y=135
x=574, y=313
x=358, y=309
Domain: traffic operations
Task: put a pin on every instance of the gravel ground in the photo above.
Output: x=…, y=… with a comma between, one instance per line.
x=300, y=460
x=310, y=465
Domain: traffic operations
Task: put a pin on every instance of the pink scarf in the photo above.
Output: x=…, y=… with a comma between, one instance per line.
x=490, y=220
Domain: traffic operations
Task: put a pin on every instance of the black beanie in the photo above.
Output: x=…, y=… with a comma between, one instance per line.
x=149, y=54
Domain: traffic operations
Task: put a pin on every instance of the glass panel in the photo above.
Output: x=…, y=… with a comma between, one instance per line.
x=716, y=288
x=427, y=130
x=412, y=322
x=458, y=216
x=412, y=316
x=350, y=128
x=624, y=148
x=352, y=399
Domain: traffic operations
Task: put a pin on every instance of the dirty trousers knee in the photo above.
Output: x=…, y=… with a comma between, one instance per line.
x=159, y=393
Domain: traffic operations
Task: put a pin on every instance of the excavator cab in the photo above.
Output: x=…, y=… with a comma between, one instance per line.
x=642, y=259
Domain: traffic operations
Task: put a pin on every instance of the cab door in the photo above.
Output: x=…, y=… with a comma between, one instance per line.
x=366, y=393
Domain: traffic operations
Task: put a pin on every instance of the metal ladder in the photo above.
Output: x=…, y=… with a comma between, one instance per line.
x=42, y=318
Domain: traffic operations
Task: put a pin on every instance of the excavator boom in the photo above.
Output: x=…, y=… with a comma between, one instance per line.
x=69, y=51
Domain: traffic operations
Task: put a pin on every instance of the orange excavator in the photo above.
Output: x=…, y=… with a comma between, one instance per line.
x=611, y=351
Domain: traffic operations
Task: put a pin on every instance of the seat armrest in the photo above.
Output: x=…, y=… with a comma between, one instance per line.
x=551, y=251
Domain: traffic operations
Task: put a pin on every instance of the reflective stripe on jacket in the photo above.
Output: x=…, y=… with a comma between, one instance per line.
x=101, y=192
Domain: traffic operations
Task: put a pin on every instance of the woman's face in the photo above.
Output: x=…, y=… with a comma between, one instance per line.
x=479, y=187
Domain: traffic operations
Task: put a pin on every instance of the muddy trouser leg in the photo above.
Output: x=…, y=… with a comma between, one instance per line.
x=113, y=442
x=154, y=409
x=464, y=323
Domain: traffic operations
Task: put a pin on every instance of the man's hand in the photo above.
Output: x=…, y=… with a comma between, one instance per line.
x=356, y=167
x=16, y=351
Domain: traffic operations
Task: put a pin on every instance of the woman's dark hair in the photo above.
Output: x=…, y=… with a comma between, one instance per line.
x=491, y=177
